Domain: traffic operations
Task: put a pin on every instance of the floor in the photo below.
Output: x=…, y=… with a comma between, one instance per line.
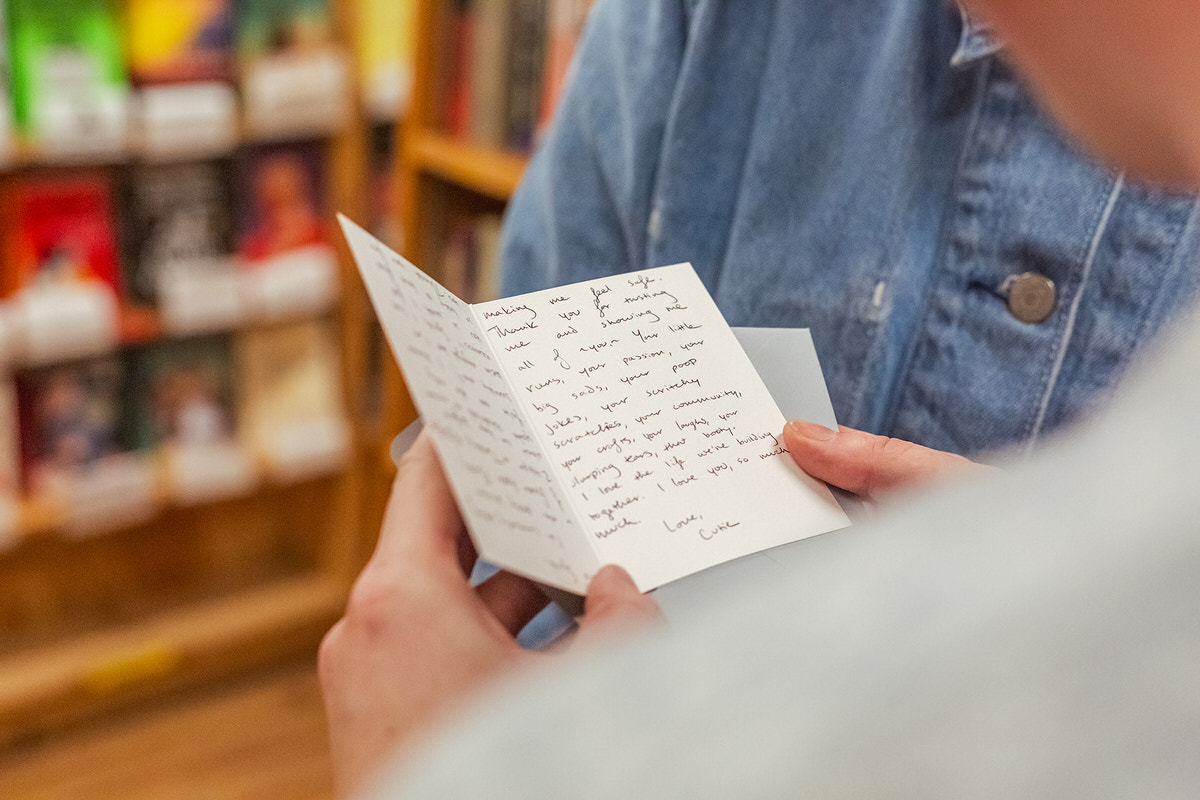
x=260, y=737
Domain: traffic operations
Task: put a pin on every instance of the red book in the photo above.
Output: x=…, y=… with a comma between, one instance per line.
x=61, y=230
x=566, y=19
x=458, y=100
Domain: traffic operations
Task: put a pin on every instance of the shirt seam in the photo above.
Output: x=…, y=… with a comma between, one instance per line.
x=891, y=409
x=1051, y=381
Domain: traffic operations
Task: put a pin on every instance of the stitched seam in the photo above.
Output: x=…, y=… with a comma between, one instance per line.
x=887, y=419
x=1154, y=320
x=1073, y=312
x=721, y=266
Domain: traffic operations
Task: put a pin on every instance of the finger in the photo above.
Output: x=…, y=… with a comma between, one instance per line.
x=422, y=524
x=866, y=464
x=467, y=554
x=615, y=602
x=513, y=600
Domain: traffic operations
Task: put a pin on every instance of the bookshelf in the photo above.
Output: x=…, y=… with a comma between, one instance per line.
x=447, y=175
x=181, y=591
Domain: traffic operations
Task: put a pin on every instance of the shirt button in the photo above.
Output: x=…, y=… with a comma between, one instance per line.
x=1031, y=297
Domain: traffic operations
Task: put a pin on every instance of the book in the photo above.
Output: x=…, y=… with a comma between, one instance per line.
x=470, y=266
x=179, y=41
x=70, y=420
x=60, y=244
x=181, y=403
x=491, y=41
x=283, y=27
x=70, y=88
x=178, y=223
x=180, y=393
x=526, y=62
x=458, y=257
x=289, y=267
x=295, y=79
x=10, y=467
x=456, y=66
x=8, y=144
x=611, y=421
x=292, y=410
x=386, y=31
x=487, y=231
x=383, y=195
x=282, y=204
x=61, y=231
x=565, y=22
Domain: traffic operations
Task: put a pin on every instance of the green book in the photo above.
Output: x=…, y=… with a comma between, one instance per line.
x=68, y=74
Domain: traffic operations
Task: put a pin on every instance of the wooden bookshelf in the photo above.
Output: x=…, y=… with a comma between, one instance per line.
x=488, y=172
x=439, y=176
x=201, y=592
x=49, y=686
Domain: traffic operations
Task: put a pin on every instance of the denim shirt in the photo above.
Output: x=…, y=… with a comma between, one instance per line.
x=872, y=170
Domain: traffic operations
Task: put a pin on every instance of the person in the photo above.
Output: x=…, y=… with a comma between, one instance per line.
x=1028, y=632
x=873, y=171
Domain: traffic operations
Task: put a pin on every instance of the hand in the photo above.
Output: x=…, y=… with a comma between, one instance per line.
x=417, y=638
x=867, y=465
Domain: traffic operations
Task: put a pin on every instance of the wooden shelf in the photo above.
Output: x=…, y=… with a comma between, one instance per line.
x=191, y=593
x=494, y=173
x=39, y=516
x=85, y=676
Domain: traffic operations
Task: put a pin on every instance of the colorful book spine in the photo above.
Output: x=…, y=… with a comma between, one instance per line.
x=527, y=59
x=565, y=25
x=458, y=68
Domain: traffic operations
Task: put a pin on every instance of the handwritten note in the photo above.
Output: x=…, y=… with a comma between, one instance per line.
x=610, y=421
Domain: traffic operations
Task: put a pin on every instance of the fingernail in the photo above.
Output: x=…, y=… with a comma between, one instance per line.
x=811, y=430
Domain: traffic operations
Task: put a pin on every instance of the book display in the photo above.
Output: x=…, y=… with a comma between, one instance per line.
x=185, y=471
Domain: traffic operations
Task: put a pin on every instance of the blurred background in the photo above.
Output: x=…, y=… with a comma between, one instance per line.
x=196, y=399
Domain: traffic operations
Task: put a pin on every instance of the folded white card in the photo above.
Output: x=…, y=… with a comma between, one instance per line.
x=611, y=421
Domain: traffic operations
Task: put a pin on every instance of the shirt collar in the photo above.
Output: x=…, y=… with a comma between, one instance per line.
x=977, y=41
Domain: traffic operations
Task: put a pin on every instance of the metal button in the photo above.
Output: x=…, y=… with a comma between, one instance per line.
x=1031, y=297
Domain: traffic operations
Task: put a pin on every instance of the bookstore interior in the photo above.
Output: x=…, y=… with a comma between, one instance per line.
x=198, y=398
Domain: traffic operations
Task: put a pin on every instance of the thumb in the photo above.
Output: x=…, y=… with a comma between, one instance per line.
x=615, y=602
x=868, y=465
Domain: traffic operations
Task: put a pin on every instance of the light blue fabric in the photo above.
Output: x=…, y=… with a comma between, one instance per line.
x=868, y=169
